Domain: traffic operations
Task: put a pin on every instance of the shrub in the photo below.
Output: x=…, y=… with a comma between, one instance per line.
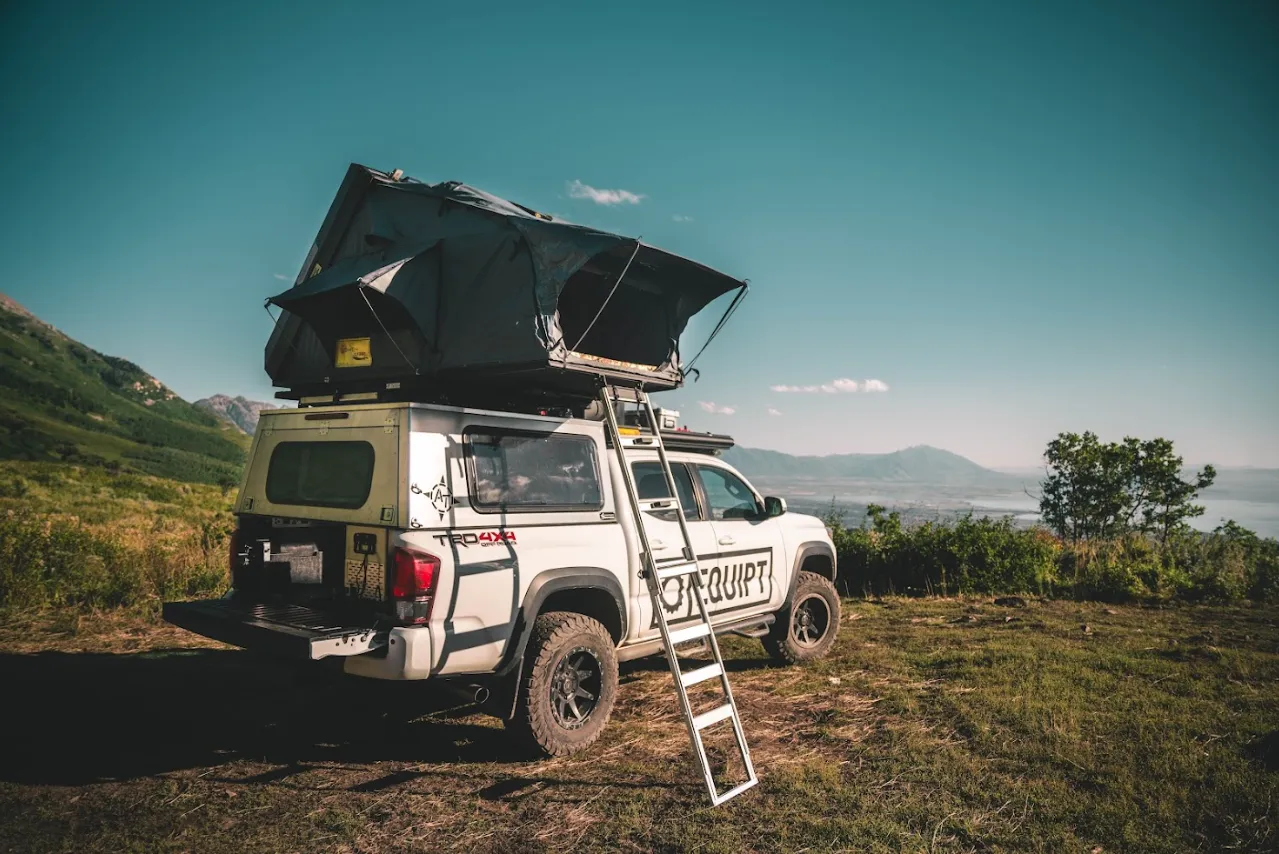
x=967, y=555
x=61, y=563
x=991, y=556
x=1119, y=570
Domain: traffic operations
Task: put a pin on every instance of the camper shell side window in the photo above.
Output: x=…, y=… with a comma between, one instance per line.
x=524, y=471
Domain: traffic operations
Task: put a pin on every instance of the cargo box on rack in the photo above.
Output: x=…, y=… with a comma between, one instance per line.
x=434, y=287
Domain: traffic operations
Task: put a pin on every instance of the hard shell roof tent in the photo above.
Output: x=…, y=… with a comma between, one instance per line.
x=431, y=289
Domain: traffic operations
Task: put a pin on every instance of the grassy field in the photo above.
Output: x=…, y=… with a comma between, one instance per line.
x=937, y=725
x=90, y=537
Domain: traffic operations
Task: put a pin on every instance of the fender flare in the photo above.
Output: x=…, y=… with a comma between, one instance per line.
x=805, y=551
x=553, y=581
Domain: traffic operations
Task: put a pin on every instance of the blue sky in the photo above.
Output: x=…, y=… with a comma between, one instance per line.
x=1020, y=218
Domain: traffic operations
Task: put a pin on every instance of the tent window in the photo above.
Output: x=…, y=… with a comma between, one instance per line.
x=634, y=326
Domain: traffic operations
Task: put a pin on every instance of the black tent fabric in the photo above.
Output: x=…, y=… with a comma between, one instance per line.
x=442, y=284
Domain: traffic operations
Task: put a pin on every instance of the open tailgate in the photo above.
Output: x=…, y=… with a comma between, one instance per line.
x=293, y=631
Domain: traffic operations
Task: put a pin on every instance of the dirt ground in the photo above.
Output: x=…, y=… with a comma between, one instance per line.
x=121, y=735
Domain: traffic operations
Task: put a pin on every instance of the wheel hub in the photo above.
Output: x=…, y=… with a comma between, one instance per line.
x=575, y=688
x=810, y=622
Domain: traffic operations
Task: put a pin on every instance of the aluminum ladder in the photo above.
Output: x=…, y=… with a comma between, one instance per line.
x=657, y=572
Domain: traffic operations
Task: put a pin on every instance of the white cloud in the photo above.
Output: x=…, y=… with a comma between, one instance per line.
x=843, y=385
x=715, y=409
x=682, y=218
x=774, y=411
x=281, y=277
x=578, y=190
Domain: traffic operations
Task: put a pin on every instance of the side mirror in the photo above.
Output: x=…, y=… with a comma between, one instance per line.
x=774, y=506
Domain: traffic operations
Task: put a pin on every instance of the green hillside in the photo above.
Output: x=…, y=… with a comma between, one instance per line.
x=921, y=464
x=61, y=400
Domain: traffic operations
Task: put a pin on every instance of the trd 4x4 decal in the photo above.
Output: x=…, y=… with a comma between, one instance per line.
x=481, y=538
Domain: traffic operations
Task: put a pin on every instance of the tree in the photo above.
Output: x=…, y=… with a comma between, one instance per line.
x=1101, y=490
x=1084, y=494
x=1165, y=499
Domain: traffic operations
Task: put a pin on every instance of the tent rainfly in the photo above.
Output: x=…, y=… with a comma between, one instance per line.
x=439, y=286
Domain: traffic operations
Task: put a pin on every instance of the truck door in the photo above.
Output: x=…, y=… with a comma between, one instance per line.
x=666, y=540
x=744, y=577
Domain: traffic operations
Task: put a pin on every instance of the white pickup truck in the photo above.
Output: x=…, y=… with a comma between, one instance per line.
x=497, y=550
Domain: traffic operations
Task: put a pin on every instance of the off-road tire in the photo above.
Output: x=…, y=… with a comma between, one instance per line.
x=814, y=595
x=538, y=722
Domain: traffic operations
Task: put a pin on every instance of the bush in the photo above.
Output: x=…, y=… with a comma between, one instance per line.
x=968, y=555
x=991, y=556
x=1230, y=563
x=1119, y=570
x=61, y=563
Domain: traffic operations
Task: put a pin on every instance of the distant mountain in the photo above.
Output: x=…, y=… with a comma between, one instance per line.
x=921, y=463
x=61, y=400
x=244, y=414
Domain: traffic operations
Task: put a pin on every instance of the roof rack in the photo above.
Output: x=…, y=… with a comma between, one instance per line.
x=699, y=443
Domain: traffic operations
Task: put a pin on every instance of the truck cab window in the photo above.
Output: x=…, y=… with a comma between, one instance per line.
x=728, y=495
x=651, y=483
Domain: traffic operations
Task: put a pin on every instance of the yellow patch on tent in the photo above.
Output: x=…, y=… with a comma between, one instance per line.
x=354, y=353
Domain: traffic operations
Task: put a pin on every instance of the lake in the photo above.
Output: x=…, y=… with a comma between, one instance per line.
x=1249, y=497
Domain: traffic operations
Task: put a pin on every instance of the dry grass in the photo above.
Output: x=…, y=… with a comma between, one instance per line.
x=937, y=725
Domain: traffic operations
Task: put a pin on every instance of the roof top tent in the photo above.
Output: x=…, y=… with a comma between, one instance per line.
x=429, y=292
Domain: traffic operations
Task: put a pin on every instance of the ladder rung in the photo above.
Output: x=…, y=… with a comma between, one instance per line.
x=676, y=569
x=701, y=674
x=718, y=799
x=657, y=504
x=679, y=636
x=714, y=716
x=630, y=395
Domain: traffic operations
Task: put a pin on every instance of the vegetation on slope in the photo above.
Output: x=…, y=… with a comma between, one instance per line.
x=61, y=400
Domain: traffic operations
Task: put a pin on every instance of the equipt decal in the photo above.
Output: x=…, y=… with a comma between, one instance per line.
x=730, y=582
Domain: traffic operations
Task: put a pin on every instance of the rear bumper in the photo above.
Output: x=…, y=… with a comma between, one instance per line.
x=289, y=631
x=408, y=656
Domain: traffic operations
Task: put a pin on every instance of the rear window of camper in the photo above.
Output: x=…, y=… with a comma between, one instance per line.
x=320, y=474
x=516, y=471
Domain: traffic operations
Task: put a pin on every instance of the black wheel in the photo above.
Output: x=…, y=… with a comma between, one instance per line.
x=567, y=686
x=806, y=630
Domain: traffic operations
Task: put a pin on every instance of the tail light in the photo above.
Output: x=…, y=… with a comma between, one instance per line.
x=413, y=585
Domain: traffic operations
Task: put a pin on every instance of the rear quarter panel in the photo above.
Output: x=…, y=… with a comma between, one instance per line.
x=489, y=560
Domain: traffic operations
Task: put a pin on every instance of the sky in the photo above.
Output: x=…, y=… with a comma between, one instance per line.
x=975, y=224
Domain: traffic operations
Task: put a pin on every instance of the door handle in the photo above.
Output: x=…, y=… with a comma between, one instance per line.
x=726, y=541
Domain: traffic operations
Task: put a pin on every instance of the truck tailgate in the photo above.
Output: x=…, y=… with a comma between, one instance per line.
x=294, y=631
